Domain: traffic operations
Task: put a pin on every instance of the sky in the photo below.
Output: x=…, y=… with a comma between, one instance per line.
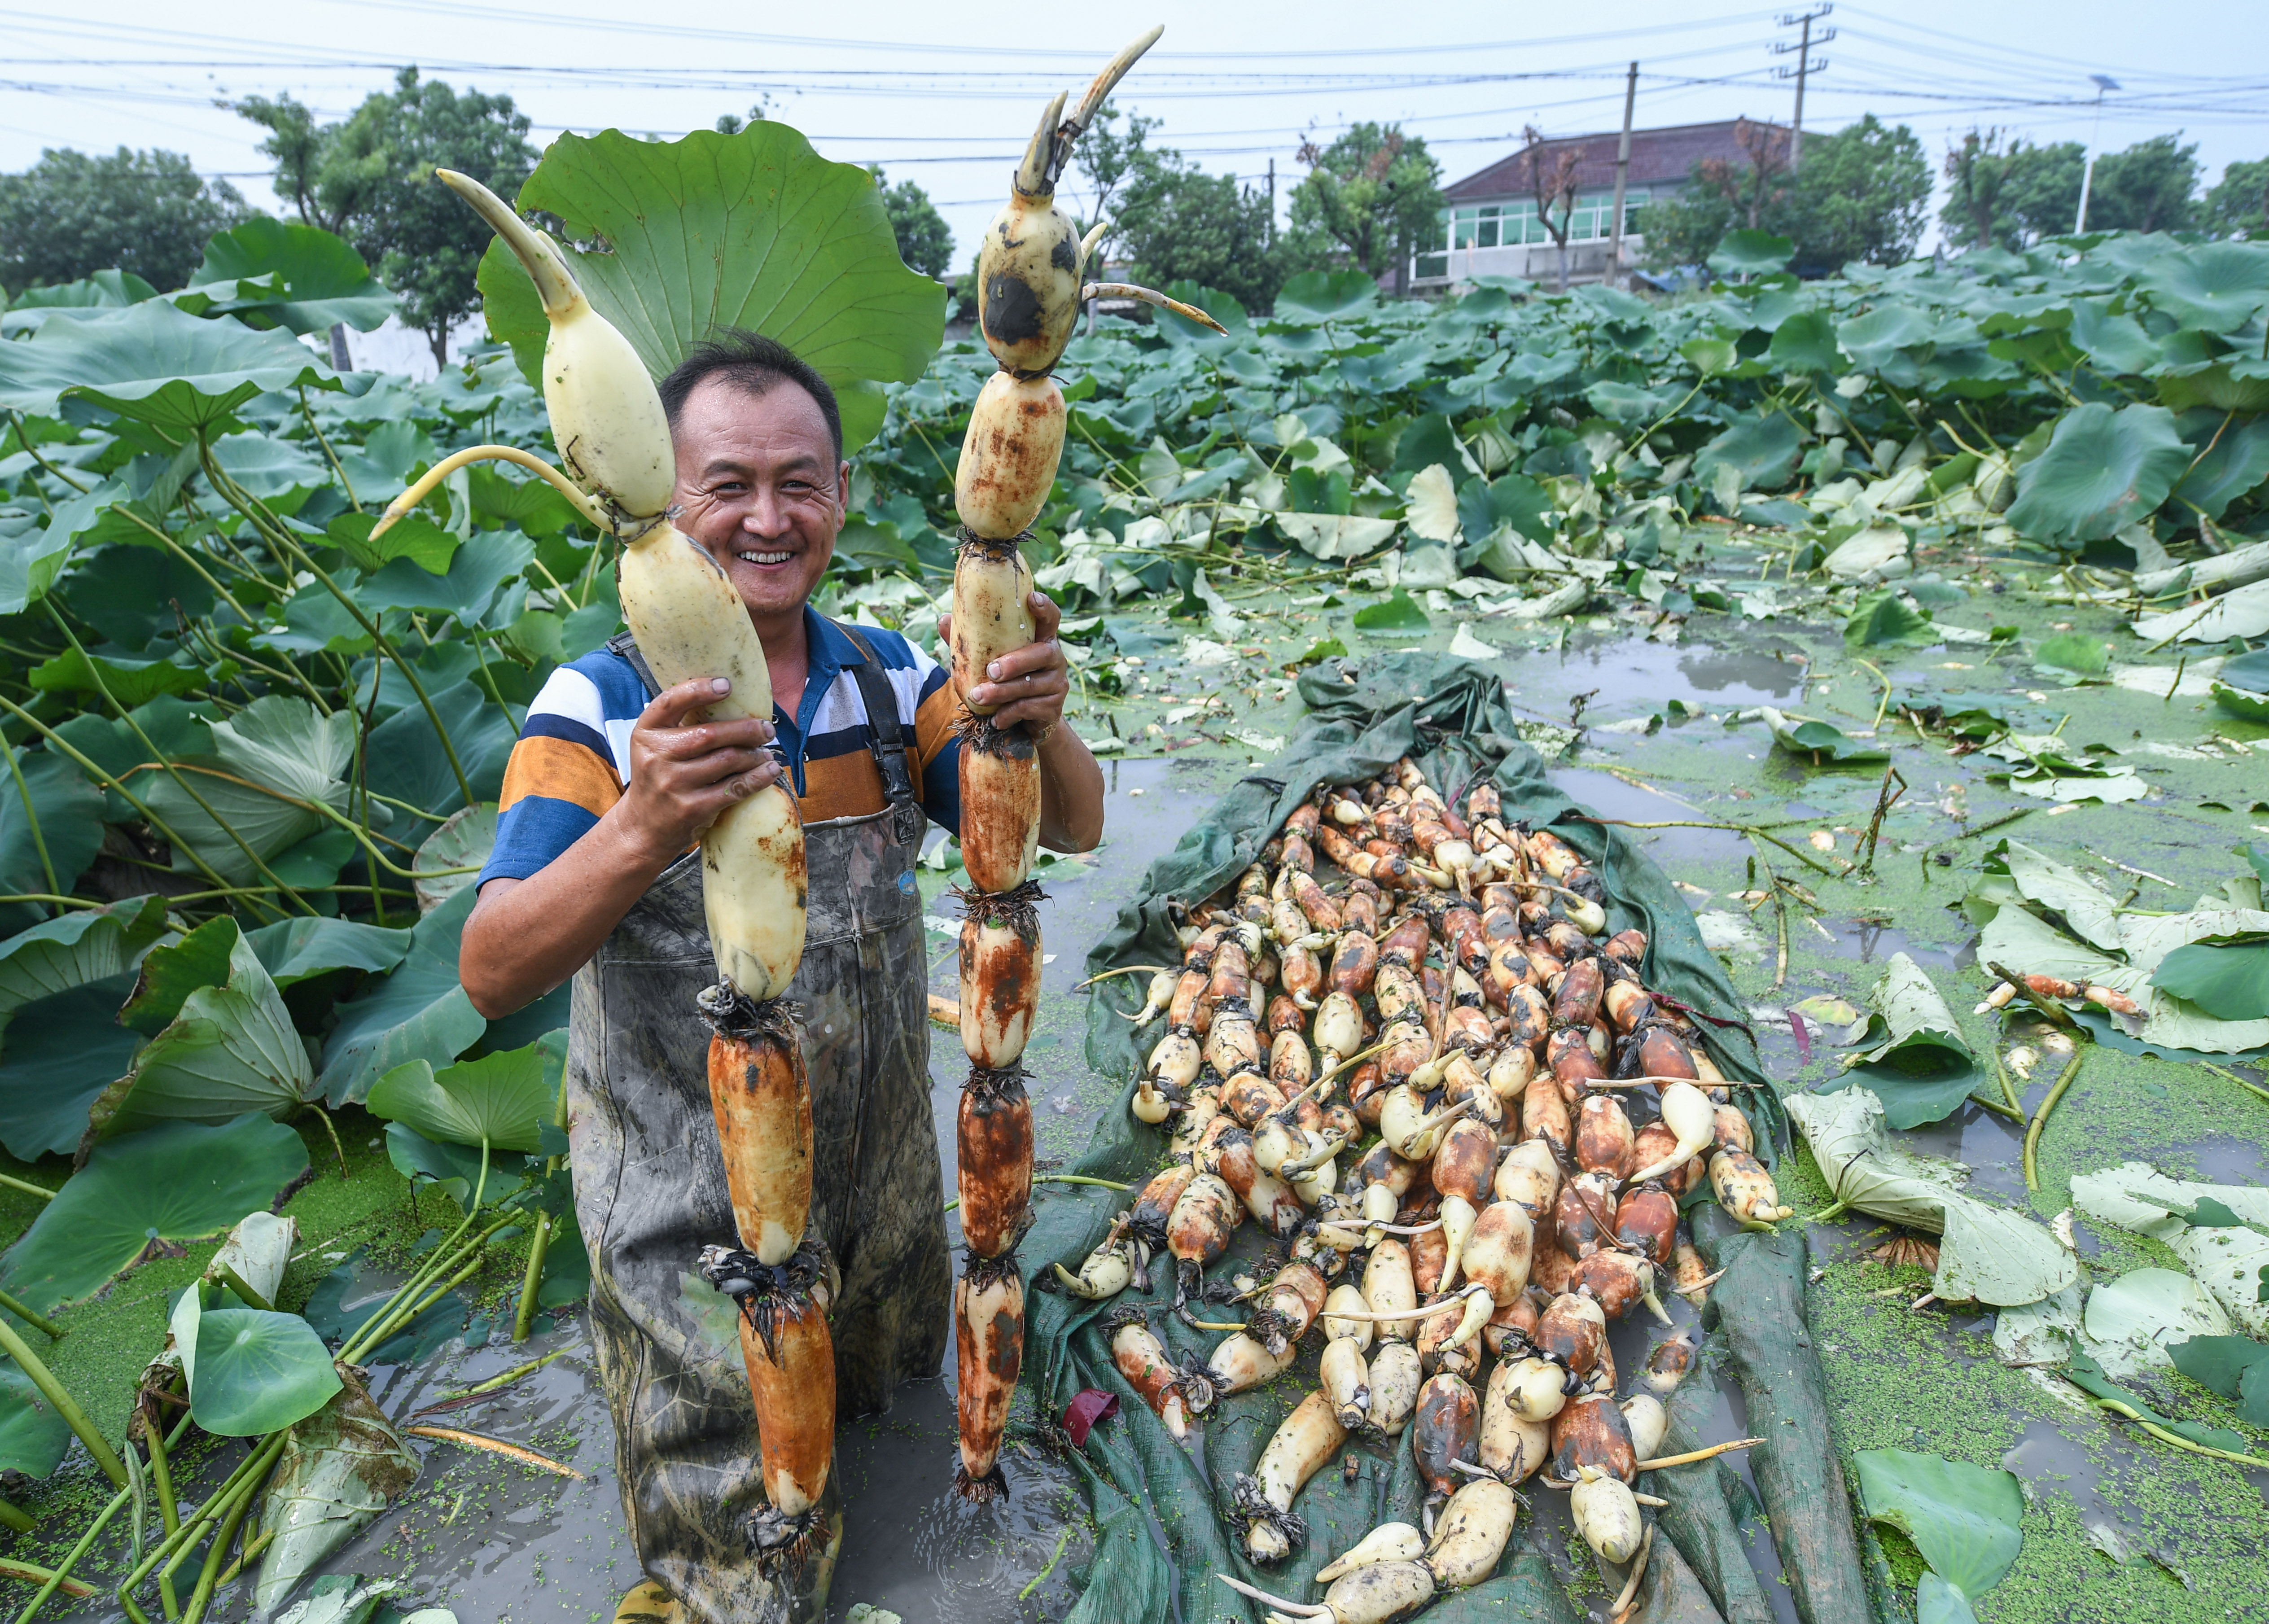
x=915, y=89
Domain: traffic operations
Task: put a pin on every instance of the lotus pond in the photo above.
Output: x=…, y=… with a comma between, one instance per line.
x=1914, y=615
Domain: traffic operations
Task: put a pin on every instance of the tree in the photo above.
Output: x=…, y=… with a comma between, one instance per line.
x=1553, y=186
x=2239, y=204
x=2006, y=193
x=1173, y=221
x=1861, y=195
x=1183, y=223
x=1684, y=229
x=1375, y=193
x=1115, y=162
x=2146, y=188
x=370, y=179
x=925, y=240
x=1721, y=194
x=734, y=123
x=71, y=214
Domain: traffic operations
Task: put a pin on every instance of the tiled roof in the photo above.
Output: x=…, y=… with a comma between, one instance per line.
x=1658, y=157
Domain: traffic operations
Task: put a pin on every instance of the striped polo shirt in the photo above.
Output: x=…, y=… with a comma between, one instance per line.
x=573, y=757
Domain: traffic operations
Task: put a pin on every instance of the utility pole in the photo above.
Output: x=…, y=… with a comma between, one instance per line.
x=1272, y=201
x=1623, y=174
x=2103, y=82
x=1805, y=65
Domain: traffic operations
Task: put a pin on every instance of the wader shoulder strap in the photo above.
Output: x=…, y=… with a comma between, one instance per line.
x=885, y=736
x=621, y=643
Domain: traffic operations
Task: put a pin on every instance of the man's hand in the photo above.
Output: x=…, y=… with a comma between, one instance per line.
x=683, y=776
x=1030, y=684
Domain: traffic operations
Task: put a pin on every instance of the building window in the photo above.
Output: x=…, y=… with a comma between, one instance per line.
x=1513, y=224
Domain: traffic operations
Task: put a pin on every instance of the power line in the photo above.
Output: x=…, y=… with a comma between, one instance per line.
x=1090, y=57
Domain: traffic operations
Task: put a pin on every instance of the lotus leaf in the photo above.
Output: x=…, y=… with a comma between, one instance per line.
x=1964, y=1519
x=1987, y=1253
x=500, y=1100
x=1818, y=741
x=77, y=948
x=258, y=1249
x=63, y=1050
x=2244, y=613
x=2230, y=980
x=1325, y=295
x=250, y=1372
x=2216, y=286
x=2102, y=470
x=44, y=791
x=224, y=1048
x=348, y=1598
x=419, y=1013
x=179, y=1181
x=1750, y=252
x=753, y=229
x=272, y=763
x=2131, y=1320
x=1761, y=450
x=2235, y=1366
x=156, y=365
x=1886, y=620
x=339, y=1470
x=1915, y=1060
x=34, y=1436
x=286, y=275
x=1400, y=613
x=295, y=950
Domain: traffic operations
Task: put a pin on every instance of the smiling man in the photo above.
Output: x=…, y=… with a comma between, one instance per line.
x=596, y=876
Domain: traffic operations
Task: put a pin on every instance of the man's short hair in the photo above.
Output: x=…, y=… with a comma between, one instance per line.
x=753, y=363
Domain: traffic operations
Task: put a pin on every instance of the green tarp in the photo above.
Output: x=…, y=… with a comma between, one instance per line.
x=1161, y=1540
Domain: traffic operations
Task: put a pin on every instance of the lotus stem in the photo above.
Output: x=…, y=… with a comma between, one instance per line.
x=1040, y=1578
x=1298, y=1609
x=217, y=1554
x=517, y=1373
x=1691, y=1456
x=2040, y=1118
x=1630, y=1591
x=37, y=1321
x=235, y=1282
x=56, y=1394
x=533, y=1280
x=494, y=1446
x=451, y=464
x=76, y=1588
x=169, y=1512
x=247, y=1556
x=1124, y=970
x=175, y=1549
x=60, y=1577
x=1150, y=296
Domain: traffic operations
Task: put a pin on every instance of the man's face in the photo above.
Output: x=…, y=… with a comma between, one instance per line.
x=759, y=485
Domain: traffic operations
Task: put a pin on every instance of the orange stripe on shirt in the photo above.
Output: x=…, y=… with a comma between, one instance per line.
x=934, y=726
x=844, y=786
x=560, y=771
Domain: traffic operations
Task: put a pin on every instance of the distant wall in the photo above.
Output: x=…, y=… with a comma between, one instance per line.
x=1587, y=261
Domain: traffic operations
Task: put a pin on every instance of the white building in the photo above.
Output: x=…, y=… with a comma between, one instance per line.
x=1491, y=227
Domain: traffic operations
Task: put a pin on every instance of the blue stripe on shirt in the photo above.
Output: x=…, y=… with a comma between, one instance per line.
x=531, y=833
